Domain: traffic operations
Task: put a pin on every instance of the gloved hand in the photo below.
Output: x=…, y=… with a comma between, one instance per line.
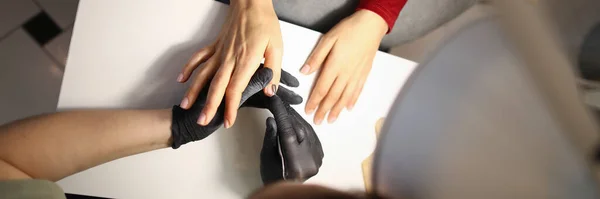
x=260, y=100
x=291, y=149
x=184, y=127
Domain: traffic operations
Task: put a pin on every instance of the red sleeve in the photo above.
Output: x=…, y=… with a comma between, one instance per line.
x=387, y=9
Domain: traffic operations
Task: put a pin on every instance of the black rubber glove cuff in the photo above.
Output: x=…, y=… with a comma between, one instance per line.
x=184, y=126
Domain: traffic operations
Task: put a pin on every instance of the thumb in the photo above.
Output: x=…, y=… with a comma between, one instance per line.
x=271, y=164
x=273, y=61
x=288, y=135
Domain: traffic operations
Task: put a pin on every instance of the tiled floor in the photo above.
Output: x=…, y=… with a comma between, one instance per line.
x=34, y=41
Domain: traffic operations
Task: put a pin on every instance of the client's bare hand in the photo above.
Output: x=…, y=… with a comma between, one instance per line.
x=344, y=55
x=250, y=33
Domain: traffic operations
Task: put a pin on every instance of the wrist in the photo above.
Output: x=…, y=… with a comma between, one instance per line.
x=373, y=20
x=184, y=126
x=162, y=138
x=251, y=3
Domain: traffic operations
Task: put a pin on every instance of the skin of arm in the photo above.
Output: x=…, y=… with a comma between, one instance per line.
x=57, y=145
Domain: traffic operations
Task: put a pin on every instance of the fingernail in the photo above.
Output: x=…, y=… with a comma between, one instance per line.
x=227, y=125
x=201, y=119
x=350, y=107
x=274, y=88
x=331, y=119
x=270, y=91
x=184, y=102
x=305, y=69
x=318, y=122
x=180, y=77
x=310, y=111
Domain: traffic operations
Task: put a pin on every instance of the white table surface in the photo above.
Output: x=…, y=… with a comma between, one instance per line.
x=127, y=54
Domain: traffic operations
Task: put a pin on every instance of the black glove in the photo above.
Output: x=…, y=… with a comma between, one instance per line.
x=184, y=127
x=260, y=100
x=291, y=149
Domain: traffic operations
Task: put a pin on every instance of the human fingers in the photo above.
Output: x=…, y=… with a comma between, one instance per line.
x=318, y=55
x=361, y=83
x=271, y=132
x=356, y=93
x=288, y=79
x=285, y=127
x=245, y=68
x=199, y=82
x=216, y=91
x=289, y=96
x=344, y=99
x=198, y=58
x=332, y=97
x=270, y=139
x=260, y=100
x=273, y=55
x=324, y=81
x=261, y=78
x=298, y=155
x=271, y=168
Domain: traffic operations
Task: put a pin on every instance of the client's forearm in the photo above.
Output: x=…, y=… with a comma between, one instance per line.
x=57, y=145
